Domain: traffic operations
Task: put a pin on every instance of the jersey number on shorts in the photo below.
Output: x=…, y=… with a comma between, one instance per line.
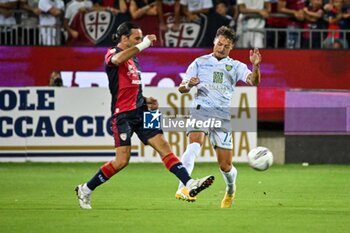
x=228, y=137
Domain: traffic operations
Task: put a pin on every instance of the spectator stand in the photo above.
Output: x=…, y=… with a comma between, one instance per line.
x=195, y=33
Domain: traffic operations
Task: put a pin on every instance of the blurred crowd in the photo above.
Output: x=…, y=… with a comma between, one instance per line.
x=178, y=23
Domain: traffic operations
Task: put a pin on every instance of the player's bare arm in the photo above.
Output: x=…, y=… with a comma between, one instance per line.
x=253, y=79
x=131, y=46
x=185, y=87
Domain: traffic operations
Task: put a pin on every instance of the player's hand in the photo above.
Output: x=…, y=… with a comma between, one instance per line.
x=194, y=81
x=146, y=42
x=152, y=103
x=152, y=38
x=255, y=57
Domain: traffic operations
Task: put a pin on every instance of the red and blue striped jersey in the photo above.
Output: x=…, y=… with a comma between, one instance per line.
x=124, y=83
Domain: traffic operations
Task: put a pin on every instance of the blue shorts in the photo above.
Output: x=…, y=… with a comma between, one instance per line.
x=126, y=123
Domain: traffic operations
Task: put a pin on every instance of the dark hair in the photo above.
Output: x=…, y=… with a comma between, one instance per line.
x=227, y=32
x=124, y=29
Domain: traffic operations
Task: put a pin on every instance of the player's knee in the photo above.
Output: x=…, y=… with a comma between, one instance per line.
x=225, y=167
x=197, y=137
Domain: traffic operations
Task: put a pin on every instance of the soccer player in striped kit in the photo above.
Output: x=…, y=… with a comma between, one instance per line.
x=128, y=106
x=215, y=76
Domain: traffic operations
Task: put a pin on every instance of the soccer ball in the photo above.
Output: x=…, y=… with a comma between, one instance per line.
x=260, y=158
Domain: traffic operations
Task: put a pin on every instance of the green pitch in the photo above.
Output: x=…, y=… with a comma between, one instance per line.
x=36, y=197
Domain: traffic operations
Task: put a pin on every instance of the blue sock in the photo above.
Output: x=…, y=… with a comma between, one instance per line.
x=180, y=171
x=97, y=180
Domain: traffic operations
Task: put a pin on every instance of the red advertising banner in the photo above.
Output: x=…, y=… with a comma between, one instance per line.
x=281, y=69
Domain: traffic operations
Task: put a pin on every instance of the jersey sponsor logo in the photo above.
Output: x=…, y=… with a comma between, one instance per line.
x=98, y=25
x=218, y=77
x=136, y=82
x=132, y=71
x=190, y=34
x=215, y=86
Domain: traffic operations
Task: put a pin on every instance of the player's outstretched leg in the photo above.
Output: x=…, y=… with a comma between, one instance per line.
x=196, y=186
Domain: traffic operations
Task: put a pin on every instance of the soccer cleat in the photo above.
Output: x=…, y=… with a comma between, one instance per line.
x=182, y=194
x=199, y=185
x=228, y=200
x=84, y=199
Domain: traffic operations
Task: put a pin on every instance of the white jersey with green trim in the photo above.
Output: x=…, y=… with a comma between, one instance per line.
x=218, y=79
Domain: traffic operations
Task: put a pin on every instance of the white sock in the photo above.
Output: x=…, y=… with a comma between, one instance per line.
x=86, y=189
x=230, y=179
x=189, y=157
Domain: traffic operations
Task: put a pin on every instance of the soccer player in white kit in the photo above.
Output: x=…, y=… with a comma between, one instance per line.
x=215, y=76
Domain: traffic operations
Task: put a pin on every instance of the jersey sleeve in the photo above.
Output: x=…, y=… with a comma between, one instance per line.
x=108, y=57
x=191, y=71
x=242, y=72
